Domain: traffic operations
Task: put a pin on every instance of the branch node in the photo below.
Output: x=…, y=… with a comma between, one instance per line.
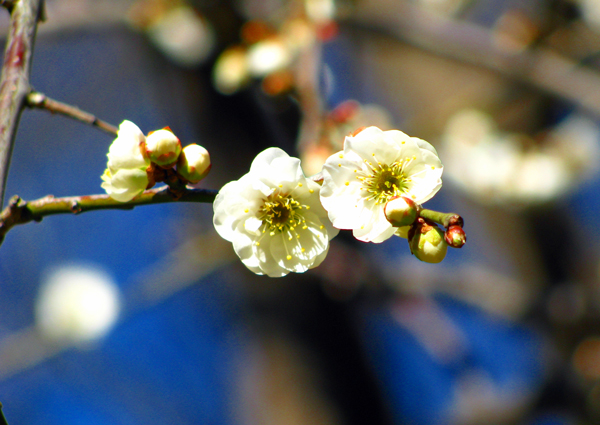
x=75, y=207
x=35, y=99
x=455, y=220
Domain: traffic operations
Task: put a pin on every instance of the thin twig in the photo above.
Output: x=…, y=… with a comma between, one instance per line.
x=474, y=44
x=20, y=212
x=41, y=101
x=14, y=82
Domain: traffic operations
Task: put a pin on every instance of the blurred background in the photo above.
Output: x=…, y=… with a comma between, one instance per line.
x=148, y=317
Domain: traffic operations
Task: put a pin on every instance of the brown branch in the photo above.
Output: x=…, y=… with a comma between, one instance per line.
x=474, y=44
x=20, y=212
x=41, y=101
x=14, y=81
x=306, y=73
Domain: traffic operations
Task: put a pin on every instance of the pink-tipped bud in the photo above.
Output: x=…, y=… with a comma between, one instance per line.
x=401, y=211
x=163, y=147
x=427, y=243
x=194, y=163
x=455, y=236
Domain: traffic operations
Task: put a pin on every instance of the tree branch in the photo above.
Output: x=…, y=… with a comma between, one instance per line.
x=2, y=417
x=474, y=44
x=20, y=212
x=14, y=81
x=41, y=101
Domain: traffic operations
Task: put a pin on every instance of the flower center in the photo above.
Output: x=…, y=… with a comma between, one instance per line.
x=280, y=213
x=385, y=181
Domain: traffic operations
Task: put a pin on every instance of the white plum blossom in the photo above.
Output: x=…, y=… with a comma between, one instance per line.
x=125, y=176
x=273, y=217
x=374, y=167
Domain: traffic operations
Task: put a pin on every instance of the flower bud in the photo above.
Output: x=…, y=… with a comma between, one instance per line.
x=163, y=147
x=428, y=244
x=194, y=163
x=401, y=211
x=455, y=236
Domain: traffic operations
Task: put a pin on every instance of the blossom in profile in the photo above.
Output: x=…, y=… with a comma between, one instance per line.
x=374, y=167
x=273, y=217
x=125, y=176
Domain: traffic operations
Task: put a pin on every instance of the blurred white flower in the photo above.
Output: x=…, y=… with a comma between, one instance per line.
x=320, y=11
x=77, y=304
x=125, y=176
x=590, y=11
x=374, y=167
x=231, y=70
x=500, y=168
x=268, y=56
x=182, y=35
x=273, y=217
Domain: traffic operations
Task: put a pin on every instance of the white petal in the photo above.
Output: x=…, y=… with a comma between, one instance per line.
x=252, y=225
x=125, y=151
x=372, y=145
x=229, y=209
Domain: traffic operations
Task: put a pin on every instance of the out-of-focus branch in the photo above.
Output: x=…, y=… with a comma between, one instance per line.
x=306, y=73
x=14, y=81
x=476, y=45
x=41, y=101
x=20, y=212
x=2, y=417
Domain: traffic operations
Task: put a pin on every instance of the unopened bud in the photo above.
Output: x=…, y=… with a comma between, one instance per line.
x=401, y=211
x=455, y=236
x=163, y=147
x=194, y=163
x=428, y=244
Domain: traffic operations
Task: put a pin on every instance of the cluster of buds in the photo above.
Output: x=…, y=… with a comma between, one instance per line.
x=137, y=162
x=426, y=240
x=190, y=164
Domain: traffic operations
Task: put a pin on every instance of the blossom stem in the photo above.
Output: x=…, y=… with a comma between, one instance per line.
x=445, y=219
x=20, y=212
x=41, y=101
